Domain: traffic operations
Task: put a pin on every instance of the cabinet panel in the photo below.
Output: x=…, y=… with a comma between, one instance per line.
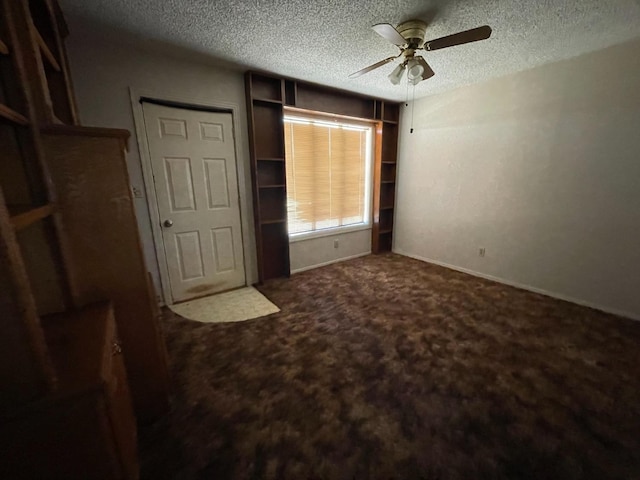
x=391, y=112
x=45, y=279
x=265, y=87
x=66, y=439
x=312, y=97
x=389, y=142
x=276, y=249
x=269, y=131
x=122, y=419
x=98, y=218
x=271, y=173
x=86, y=429
x=273, y=205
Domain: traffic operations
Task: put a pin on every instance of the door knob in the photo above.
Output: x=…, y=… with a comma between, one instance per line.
x=168, y=223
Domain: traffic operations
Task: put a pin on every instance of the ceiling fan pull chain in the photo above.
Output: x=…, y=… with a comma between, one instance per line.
x=413, y=104
x=407, y=96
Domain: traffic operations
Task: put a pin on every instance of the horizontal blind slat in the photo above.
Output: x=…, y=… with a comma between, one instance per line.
x=325, y=175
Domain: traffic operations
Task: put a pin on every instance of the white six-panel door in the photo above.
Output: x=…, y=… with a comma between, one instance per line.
x=194, y=170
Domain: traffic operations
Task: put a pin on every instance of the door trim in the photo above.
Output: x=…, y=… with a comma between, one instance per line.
x=136, y=95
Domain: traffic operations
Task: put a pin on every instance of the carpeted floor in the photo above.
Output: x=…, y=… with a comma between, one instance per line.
x=388, y=368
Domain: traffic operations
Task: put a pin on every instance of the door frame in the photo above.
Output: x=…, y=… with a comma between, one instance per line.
x=198, y=103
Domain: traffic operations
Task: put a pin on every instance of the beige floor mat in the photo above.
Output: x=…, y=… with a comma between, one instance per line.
x=235, y=306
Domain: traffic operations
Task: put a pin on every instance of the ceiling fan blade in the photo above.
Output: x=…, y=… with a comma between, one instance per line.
x=390, y=33
x=372, y=67
x=468, y=36
x=428, y=71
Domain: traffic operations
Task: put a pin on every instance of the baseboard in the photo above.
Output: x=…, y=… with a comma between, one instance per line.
x=522, y=286
x=324, y=264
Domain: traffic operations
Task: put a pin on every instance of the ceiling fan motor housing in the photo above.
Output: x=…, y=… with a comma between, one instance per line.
x=413, y=31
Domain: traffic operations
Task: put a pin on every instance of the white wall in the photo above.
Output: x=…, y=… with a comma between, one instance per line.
x=541, y=168
x=316, y=252
x=103, y=68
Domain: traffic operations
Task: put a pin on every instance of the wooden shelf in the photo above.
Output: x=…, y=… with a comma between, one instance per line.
x=388, y=163
x=47, y=54
x=82, y=131
x=390, y=122
x=23, y=216
x=385, y=231
x=271, y=159
x=271, y=222
x=13, y=116
x=272, y=186
x=387, y=181
x=4, y=50
x=267, y=100
x=388, y=207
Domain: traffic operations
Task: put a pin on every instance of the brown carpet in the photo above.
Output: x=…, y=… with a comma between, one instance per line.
x=388, y=368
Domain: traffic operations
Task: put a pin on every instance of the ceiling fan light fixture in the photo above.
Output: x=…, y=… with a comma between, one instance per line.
x=409, y=37
x=414, y=72
x=396, y=75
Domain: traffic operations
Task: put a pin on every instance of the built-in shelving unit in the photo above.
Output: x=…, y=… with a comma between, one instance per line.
x=265, y=103
x=385, y=187
x=267, y=98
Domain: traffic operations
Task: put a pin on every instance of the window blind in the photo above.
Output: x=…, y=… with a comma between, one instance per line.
x=326, y=166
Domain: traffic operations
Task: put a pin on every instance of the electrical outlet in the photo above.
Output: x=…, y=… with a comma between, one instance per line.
x=336, y=243
x=481, y=251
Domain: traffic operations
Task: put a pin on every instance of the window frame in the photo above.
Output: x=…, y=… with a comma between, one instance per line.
x=360, y=124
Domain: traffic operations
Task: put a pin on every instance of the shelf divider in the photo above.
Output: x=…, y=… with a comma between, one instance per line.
x=13, y=116
x=269, y=222
x=30, y=216
x=47, y=53
x=267, y=100
x=4, y=50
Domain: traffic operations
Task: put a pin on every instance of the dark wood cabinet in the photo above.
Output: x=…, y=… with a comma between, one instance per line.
x=87, y=429
x=68, y=239
x=89, y=173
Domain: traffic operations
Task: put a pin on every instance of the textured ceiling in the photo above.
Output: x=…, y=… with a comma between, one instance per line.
x=325, y=41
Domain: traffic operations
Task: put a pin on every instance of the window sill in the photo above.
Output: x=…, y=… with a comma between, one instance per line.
x=329, y=232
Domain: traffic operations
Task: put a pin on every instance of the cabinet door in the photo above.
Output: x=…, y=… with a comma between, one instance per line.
x=121, y=415
x=66, y=438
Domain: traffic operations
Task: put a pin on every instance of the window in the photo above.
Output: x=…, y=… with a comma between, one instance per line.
x=328, y=174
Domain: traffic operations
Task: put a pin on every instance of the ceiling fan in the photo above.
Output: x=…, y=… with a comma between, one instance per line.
x=409, y=37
